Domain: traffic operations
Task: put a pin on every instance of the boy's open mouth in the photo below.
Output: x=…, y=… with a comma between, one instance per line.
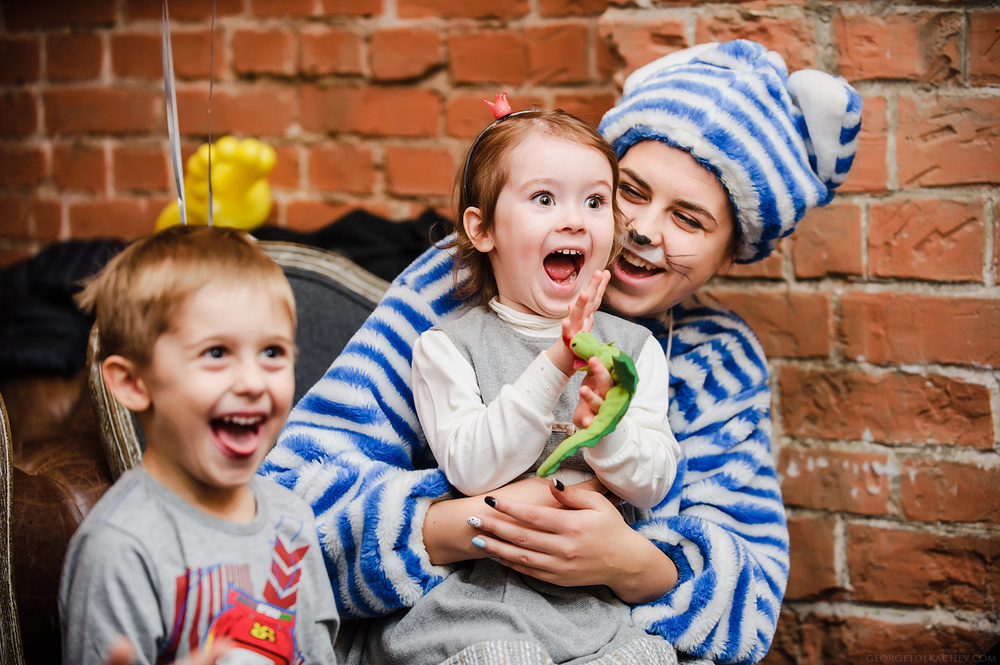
x=237, y=435
x=563, y=265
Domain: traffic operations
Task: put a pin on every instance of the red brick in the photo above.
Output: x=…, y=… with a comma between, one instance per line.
x=79, y=167
x=331, y=51
x=182, y=10
x=21, y=58
x=273, y=8
x=870, y=171
x=73, y=57
x=342, y=168
x=934, y=490
x=307, y=216
x=908, y=409
x=137, y=54
x=927, y=239
x=488, y=57
x=834, y=480
x=790, y=33
x=789, y=324
x=419, y=171
x=265, y=52
x=769, y=268
x=18, y=113
x=609, y=64
x=104, y=110
x=352, y=7
x=912, y=328
x=551, y=8
x=923, y=569
x=589, y=107
x=19, y=16
x=557, y=54
x=849, y=640
x=371, y=111
x=984, y=52
x=193, y=57
x=30, y=217
x=286, y=168
x=502, y=9
x=640, y=39
x=140, y=54
x=812, y=574
x=467, y=115
x=260, y=111
x=22, y=166
x=787, y=638
x=145, y=168
x=947, y=141
x=404, y=53
x=124, y=218
x=917, y=47
x=828, y=242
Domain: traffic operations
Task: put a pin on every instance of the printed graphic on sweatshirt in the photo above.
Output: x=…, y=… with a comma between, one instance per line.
x=219, y=601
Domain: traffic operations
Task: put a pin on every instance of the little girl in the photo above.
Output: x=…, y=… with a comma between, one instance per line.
x=536, y=225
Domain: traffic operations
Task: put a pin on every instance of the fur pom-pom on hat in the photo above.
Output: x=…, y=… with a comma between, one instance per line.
x=779, y=144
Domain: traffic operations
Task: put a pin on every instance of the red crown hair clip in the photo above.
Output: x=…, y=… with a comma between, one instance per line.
x=501, y=107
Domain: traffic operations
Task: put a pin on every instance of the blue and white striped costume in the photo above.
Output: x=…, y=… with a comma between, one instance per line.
x=353, y=449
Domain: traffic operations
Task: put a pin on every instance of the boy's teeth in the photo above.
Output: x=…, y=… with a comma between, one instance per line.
x=569, y=252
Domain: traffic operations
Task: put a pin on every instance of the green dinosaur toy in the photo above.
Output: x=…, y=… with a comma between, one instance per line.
x=615, y=403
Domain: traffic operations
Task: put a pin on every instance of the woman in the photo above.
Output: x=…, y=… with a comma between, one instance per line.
x=721, y=154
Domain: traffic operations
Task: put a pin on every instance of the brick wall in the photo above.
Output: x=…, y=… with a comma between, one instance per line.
x=880, y=317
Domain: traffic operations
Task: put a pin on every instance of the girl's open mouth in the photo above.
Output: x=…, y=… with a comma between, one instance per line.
x=238, y=436
x=563, y=265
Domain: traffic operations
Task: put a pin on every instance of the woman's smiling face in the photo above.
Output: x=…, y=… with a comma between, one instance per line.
x=683, y=219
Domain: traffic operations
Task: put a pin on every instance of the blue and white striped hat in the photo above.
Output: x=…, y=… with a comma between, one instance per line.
x=779, y=144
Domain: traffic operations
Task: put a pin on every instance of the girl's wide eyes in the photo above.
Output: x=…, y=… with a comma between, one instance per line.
x=544, y=198
x=595, y=202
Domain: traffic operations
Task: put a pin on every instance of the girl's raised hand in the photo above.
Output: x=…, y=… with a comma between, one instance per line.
x=581, y=312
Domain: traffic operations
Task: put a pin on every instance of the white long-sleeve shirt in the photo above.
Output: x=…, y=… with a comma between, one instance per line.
x=482, y=447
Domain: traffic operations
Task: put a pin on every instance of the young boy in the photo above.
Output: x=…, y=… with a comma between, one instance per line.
x=197, y=330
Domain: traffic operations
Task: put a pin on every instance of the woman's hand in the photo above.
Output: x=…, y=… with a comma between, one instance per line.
x=581, y=542
x=448, y=532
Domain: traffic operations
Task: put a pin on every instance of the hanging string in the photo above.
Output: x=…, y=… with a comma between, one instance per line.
x=169, y=91
x=211, y=83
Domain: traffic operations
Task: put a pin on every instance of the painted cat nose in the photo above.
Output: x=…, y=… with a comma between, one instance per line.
x=638, y=238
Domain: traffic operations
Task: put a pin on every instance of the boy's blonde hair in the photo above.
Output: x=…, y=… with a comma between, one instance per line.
x=488, y=169
x=135, y=296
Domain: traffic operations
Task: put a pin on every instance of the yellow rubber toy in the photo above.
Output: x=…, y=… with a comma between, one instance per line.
x=241, y=196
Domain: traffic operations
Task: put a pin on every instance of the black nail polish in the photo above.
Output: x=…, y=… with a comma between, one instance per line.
x=559, y=485
x=491, y=502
